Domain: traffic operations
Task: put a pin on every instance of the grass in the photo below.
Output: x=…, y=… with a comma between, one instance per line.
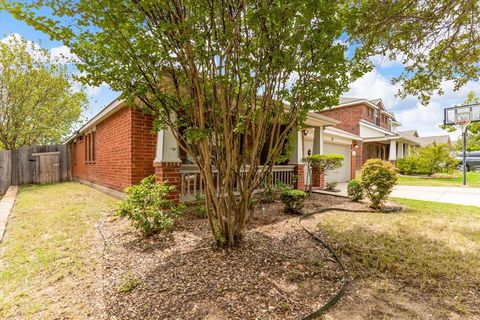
x=47, y=268
x=432, y=247
x=444, y=180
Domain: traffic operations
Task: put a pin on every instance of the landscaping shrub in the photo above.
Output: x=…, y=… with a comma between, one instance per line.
x=330, y=186
x=429, y=160
x=200, y=209
x=355, y=190
x=378, y=179
x=293, y=200
x=411, y=165
x=147, y=206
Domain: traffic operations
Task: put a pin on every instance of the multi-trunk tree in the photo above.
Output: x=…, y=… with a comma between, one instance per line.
x=37, y=102
x=241, y=76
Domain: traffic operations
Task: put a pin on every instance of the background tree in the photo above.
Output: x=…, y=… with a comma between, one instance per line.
x=435, y=40
x=231, y=71
x=37, y=101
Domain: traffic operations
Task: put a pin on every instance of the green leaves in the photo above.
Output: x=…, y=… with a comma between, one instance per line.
x=148, y=207
x=293, y=200
x=436, y=41
x=37, y=102
x=325, y=162
x=377, y=181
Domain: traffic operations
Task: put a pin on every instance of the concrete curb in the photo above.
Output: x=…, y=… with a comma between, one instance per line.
x=6, y=206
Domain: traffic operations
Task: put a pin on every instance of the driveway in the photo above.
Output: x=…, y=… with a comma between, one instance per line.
x=455, y=195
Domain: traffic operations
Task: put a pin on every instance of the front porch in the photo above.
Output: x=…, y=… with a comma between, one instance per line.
x=177, y=169
x=386, y=148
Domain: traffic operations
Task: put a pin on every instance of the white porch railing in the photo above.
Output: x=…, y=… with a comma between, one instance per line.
x=191, y=182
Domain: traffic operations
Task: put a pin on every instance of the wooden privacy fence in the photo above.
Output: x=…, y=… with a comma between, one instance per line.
x=36, y=164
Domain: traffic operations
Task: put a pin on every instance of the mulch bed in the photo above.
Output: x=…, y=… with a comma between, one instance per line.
x=277, y=272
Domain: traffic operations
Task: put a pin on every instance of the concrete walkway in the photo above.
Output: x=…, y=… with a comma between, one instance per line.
x=6, y=206
x=454, y=195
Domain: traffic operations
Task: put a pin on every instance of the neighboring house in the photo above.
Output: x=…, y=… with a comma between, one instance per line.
x=117, y=148
x=375, y=125
x=442, y=139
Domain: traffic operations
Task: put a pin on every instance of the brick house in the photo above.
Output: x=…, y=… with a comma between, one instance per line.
x=375, y=125
x=117, y=148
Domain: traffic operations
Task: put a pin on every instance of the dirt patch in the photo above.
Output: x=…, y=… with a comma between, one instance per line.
x=277, y=272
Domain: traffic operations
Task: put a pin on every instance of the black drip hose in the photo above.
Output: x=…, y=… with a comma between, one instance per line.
x=333, y=300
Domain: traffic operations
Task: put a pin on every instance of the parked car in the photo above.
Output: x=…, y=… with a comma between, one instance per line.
x=472, y=160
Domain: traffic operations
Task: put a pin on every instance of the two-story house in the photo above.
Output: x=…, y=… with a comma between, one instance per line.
x=375, y=125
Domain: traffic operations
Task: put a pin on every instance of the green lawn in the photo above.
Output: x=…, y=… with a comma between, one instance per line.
x=48, y=260
x=429, y=253
x=444, y=180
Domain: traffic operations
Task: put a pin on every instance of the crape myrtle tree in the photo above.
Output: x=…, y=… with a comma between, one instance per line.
x=436, y=41
x=38, y=103
x=232, y=79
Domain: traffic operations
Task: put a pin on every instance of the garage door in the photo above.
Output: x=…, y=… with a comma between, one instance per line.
x=342, y=174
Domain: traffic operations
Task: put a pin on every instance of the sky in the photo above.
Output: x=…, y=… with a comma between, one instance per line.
x=375, y=84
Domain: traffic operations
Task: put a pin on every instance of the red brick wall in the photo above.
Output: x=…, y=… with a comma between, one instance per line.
x=349, y=117
x=169, y=172
x=125, y=150
x=144, y=143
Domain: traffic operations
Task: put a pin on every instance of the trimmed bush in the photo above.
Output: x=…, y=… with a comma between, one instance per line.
x=378, y=179
x=355, y=190
x=325, y=162
x=148, y=208
x=293, y=200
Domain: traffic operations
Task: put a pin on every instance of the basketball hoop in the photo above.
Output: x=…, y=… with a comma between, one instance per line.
x=462, y=124
x=461, y=117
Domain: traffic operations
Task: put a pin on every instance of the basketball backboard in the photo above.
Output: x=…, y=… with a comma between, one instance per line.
x=459, y=114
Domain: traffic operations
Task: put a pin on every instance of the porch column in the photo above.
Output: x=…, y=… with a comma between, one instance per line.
x=353, y=160
x=393, y=150
x=405, y=152
x=400, y=150
x=318, y=140
x=167, y=162
x=317, y=178
x=296, y=159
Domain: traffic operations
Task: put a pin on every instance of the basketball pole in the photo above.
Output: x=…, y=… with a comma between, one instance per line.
x=464, y=162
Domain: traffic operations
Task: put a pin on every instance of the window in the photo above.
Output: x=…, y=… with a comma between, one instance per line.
x=75, y=152
x=90, y=156
x=377, y=119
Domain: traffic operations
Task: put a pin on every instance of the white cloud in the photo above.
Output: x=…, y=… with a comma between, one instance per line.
x=374, y=85
x=92, y=91
x=385, y=62
x=62, y=55
x=412, y=115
